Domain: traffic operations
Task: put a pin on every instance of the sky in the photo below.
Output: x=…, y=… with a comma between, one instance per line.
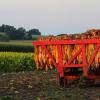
x=51, y=16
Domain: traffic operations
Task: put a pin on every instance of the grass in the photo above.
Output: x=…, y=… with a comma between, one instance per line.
x=18, y=42
x=38, y=85
x=17, y=46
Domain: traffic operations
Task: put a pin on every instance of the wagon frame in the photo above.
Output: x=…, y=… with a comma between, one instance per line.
x=60, y=66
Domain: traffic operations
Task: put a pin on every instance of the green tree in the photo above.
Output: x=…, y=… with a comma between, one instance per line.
x=20, y=33
x=7, y=29
x=4, y=37
x=34, y=32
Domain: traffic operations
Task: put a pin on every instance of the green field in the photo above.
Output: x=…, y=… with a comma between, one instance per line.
x=18, y=42
x=17, y=46
x=16, y=62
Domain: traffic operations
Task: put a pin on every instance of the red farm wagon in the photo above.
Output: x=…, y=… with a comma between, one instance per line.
x=74, y=72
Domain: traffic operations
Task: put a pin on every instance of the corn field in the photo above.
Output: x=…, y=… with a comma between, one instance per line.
x=15, y=62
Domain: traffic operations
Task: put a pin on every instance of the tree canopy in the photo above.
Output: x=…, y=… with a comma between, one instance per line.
x=18, y=33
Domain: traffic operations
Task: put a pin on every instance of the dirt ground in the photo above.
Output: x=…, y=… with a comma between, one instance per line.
x=39, y=85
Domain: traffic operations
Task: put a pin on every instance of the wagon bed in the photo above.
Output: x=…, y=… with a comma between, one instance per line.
x=61, y=68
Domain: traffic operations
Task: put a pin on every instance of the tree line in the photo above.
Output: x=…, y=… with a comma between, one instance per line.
x=8, y=32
